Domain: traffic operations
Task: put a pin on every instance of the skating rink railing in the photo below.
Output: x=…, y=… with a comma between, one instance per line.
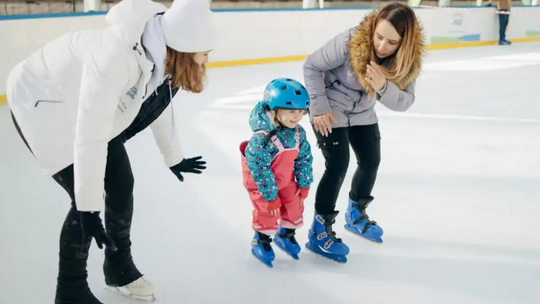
x=277, y=35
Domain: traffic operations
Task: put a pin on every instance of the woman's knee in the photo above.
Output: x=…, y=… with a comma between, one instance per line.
x=366, y=144
x=371, y=164
x=335, y=150
x=336, y=160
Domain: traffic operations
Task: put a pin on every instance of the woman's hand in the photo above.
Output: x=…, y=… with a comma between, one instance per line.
x=322, y=123
x=92, y=226
x=188, y=165
x=375, y=76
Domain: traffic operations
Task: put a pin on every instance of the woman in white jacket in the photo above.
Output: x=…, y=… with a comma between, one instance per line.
x=78, y=99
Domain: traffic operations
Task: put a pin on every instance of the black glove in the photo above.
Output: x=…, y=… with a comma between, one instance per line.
x=92, y=226
x=190, y=165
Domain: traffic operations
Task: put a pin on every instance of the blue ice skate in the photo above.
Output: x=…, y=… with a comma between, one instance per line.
x=358, y=222
x=286, y=241
x=262, y=250
x=323, y=241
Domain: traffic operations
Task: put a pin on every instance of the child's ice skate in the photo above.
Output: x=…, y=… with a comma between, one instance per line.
x=261, y=249
x=140, y=290
x=358, y=222
x=323, y=241
x=285, y=240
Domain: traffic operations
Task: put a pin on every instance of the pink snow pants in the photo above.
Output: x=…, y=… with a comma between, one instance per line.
x=290, y=213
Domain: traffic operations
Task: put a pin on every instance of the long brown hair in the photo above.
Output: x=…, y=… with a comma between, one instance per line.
x=185, y=72
x=403, y=18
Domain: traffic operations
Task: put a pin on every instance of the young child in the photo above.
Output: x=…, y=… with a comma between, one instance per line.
x=277, y=167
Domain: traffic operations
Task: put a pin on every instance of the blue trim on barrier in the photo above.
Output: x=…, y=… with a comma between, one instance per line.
x=227, y=10
x=57, y=15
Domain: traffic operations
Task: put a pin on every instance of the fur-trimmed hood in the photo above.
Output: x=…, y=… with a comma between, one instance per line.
x=359, y=54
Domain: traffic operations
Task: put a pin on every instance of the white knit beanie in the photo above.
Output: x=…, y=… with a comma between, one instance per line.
x=188, y=26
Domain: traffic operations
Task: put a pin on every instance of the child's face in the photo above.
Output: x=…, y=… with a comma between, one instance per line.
x=290, y=118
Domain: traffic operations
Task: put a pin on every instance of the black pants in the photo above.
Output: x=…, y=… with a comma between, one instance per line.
x=366, y=144
x=118, y=267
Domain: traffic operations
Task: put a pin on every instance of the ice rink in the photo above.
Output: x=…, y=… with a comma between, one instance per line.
x=458, y=195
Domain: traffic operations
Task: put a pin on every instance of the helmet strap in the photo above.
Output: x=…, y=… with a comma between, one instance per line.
x=279, y=126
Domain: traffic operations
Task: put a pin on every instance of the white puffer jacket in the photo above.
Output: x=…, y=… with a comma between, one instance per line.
x=81, y=90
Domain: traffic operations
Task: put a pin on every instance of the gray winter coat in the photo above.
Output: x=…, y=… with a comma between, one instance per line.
x=334, y=86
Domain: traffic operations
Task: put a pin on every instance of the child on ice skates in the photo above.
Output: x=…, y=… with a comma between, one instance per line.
x=277, y=167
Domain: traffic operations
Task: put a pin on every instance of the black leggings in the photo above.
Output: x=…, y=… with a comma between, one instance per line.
x=366, y=144
x=119, y=268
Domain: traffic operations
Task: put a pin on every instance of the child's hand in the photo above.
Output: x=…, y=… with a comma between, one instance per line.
x=302, y=199
x=273, y=207
x=274, y=212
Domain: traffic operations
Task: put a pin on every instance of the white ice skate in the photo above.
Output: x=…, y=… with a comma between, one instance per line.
x=140, y=290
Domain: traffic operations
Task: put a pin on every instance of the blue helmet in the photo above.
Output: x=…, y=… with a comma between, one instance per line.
x=286, y=93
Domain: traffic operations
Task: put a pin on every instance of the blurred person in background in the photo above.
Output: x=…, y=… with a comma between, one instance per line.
x=503, y=6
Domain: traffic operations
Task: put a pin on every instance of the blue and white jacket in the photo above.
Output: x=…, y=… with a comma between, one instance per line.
x=259, y=156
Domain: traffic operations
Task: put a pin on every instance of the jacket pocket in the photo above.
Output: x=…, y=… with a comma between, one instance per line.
x=377, y=132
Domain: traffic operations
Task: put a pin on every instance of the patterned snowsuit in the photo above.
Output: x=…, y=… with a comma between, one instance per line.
x=274, y=173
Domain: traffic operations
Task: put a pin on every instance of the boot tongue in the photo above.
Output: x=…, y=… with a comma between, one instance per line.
x=331, y=217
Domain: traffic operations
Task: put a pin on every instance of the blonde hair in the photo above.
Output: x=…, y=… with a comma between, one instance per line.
x=185, y=73
x=403, y=18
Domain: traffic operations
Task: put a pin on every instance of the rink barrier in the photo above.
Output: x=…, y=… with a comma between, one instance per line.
x=443, y=46
x=446, y=28
x=455, y=8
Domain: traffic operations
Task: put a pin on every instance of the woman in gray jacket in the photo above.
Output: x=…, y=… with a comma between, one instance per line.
x=378, y=60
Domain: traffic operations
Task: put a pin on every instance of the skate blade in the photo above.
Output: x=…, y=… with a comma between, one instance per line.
x=266, y=263
x=377, y=240
x=118, y=291
x=341, y=259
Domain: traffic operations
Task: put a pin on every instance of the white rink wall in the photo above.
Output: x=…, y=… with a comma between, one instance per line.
x=260, y=33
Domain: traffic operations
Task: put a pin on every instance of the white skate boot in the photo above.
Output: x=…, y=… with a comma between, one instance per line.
x=140, y=290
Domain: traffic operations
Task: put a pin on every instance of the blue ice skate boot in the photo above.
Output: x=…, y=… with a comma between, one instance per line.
x=323, y=240
x=358, y=222
x=285, y=240
x=261, y=249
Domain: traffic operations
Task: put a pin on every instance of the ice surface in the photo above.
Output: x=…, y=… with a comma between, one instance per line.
x=457, y=194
